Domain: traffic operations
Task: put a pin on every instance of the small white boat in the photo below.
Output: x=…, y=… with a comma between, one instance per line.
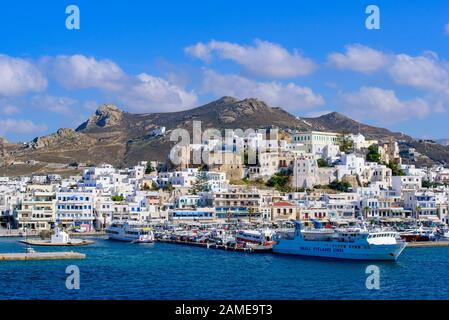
x=135, y=233
x=255, y=236
x=30, y=250
x=443, y=235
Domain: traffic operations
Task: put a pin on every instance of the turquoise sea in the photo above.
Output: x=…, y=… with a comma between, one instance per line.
x=115, y=270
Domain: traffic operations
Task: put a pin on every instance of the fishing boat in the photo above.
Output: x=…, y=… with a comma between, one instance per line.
x=418, y=235
x=349, y=243
x=135, y=233
x=443, y=235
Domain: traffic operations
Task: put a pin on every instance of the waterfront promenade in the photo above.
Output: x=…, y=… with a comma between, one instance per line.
x=35, y=233
x=17, y=233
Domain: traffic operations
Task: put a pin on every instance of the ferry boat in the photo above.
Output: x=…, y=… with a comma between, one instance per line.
x=129, y=233
x=351, y=243
x=255, y=236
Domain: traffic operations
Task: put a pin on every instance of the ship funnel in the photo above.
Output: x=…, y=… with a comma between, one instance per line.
x=298, y=228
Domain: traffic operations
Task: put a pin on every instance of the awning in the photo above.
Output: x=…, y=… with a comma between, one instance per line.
x=429, y=218
x=392, y=220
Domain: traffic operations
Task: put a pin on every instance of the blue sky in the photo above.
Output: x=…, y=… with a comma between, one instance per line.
x=309, y=57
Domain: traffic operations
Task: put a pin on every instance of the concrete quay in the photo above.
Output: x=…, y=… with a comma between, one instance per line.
x=42, y=256
x=427, y=244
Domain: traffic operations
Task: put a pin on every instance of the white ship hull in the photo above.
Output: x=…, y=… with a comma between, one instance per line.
x=129, y=234
x=350, y=243
x=127, y=238
x=331, y=250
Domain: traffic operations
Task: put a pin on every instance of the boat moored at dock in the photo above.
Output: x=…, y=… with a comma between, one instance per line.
x=418, y=235
x=129, y=232
x=255, y=236
x=350, y=243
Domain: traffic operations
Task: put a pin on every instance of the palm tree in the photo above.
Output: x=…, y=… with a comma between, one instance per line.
x=365, y=211
x=418, y=212
x=250, y=213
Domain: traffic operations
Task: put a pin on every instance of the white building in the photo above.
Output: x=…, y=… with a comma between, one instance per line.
x=350, y=164
x=305, y=172
x=315, y=141
x=406, y=183
x=360, y=142
x=75, y=208
x=422, y=203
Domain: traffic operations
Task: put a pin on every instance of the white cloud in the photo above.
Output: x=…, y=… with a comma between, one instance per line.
x=264, y=58
x=382, y=106
x=56, y=104
x=425, y=72
x=80, y=72
x=200, y=50
x=446, y=28
x=10, y=109
x=20, y=126
x=291, y=96
x=150, y=94
x=8, y=106
x=141, y=93
x=359, y=58
x=91, y=105
x=19, y=76
x=316, y=114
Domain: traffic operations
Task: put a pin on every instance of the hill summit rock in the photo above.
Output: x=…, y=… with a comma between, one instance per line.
x=107, y=115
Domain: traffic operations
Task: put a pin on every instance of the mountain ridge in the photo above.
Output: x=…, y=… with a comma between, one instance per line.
x=122, y=138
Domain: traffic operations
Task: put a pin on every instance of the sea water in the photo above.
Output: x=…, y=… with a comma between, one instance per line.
x=116, y=270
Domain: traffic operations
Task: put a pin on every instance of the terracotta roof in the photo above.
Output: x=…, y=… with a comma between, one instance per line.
x=283, y=204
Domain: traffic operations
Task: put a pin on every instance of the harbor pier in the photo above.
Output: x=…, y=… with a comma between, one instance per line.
x=41, y=256
x=252, y=249
x=427, y=244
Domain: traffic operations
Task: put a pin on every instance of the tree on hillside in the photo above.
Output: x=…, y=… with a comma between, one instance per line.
x=373, y=155
x=149, y=168
x=395, y=170
x=118, y=198
x=346, y=144
x=201, y=184
x=342, y=186
x=322, y=163
x=280, y=181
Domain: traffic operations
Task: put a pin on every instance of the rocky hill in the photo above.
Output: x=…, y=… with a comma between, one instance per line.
x=338, y=122
x=121, y=138
x=432, y=153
